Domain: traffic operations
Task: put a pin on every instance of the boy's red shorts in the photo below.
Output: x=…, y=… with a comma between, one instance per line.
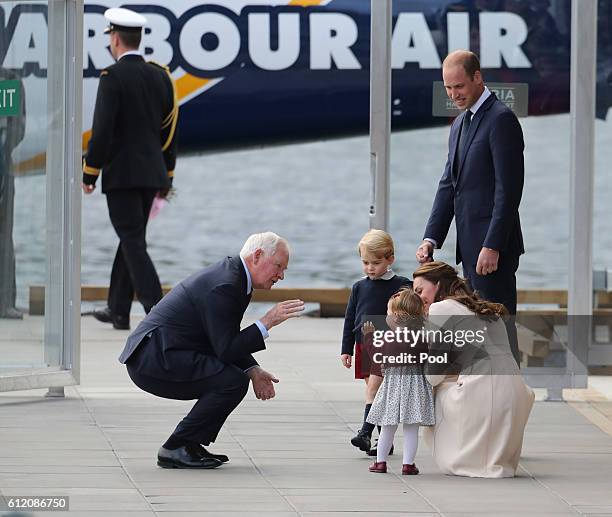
x=364, y=364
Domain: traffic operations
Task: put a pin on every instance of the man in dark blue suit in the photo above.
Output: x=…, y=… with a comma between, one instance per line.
x=481, y=187
x=190, y=346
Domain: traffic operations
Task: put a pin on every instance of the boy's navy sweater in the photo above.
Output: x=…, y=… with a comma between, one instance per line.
x=368, y=298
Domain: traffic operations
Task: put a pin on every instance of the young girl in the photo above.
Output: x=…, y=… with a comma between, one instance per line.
x=369, y=297
x=405, y=396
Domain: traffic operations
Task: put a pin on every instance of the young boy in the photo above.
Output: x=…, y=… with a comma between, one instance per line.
x=369, y=296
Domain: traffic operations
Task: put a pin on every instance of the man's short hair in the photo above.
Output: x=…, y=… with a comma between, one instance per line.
x=467, y=59
x=471, y=64
x=266, y=241
x=130, y=39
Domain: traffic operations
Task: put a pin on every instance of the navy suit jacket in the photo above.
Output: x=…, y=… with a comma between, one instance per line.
x=194, y=331
x=485, y=194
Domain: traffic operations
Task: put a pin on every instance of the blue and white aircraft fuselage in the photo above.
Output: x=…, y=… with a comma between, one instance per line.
x=251, y=71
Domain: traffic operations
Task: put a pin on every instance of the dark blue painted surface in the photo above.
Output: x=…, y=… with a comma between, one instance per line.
x=252, y=105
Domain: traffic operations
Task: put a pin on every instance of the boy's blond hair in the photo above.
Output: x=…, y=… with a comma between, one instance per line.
x=377, y=242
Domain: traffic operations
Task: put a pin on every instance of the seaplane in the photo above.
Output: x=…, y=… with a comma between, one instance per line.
x=251, y=72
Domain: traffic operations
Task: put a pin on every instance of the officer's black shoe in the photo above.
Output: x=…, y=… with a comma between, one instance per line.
x=185, y=457
x=121, y=322
x=103, y=315
x=207, y=454
x=361, y=440
x=106, y=316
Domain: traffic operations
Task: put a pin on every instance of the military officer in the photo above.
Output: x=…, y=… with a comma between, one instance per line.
x=133, y=145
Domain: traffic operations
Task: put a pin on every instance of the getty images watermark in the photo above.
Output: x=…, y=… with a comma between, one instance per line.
x=440, y=345
x=466, y=344
x=401, y=337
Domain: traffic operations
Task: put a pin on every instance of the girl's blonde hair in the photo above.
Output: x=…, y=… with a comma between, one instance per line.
x=377, y=242
x=407, y=309
x=406, y=303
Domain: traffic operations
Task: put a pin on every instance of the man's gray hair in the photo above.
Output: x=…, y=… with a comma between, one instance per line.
x=266, y=241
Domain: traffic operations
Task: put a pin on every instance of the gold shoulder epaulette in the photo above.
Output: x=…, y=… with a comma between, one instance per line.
x=159, y=65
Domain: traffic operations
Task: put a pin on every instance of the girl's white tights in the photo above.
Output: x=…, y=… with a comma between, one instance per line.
x=411, y=442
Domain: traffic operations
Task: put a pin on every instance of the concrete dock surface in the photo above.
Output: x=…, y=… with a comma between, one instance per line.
x=288, y=456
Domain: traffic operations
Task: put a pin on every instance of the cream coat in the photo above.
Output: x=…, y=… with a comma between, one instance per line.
x=480, y=419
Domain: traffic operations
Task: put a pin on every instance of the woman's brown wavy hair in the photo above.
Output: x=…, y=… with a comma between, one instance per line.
x=452, y=286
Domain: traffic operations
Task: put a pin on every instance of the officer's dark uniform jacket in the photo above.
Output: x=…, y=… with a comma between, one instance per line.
x=133, y=135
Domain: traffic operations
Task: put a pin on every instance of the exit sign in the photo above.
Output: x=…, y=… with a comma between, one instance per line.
x=10, y=98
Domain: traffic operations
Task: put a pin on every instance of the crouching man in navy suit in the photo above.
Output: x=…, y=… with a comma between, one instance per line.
x=481, y=188
x=190, y=346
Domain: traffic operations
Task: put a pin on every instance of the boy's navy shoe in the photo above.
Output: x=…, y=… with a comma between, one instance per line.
x=373, y=450
x=362, y=441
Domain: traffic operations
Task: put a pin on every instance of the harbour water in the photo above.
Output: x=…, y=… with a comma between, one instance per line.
x=317, y=195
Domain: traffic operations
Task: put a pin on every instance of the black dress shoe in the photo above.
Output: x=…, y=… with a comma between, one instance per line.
x=103, y=315
x=106, y=316
x=185, y=457
x=207, y=454
x=121, y=322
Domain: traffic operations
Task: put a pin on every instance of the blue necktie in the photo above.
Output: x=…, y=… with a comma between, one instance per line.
x=465, y=127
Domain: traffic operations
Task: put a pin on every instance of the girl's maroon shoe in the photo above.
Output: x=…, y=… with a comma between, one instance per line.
x=409, y=470
x=380, y=467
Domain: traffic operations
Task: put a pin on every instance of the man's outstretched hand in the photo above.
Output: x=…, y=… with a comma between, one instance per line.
x=282, y=311
x=263, y=386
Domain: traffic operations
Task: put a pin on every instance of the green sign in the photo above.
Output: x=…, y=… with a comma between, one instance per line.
x=10, y=98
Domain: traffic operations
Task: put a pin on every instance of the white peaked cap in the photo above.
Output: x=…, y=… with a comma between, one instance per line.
x=124, y=19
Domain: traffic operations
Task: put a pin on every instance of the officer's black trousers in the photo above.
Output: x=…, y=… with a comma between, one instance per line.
x=133, y=269
x=217, y=396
